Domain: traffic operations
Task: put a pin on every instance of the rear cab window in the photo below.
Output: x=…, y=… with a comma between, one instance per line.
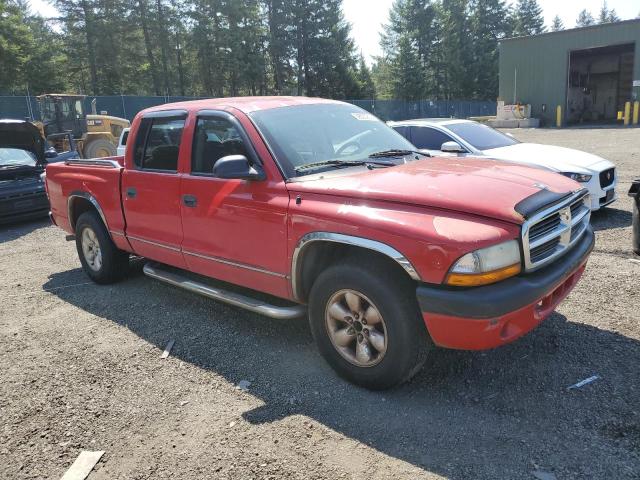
x=158, y=142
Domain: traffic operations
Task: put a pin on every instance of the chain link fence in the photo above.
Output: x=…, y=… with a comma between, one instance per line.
x=125, y=106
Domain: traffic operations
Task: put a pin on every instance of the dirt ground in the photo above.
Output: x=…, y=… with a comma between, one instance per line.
x=80, y=369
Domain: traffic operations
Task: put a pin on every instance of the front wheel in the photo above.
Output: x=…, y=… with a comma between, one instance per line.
x=100, y=148
x=367, y=324
x=101, y=260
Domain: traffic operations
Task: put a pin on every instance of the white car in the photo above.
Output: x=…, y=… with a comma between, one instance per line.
x=122, y=142
x=461, y=138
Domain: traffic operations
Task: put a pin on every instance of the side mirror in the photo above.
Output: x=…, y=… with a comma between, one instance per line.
x=452, y=147
x=50, y=153
x=237, y=167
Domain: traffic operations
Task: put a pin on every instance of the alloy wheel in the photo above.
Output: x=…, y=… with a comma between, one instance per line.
x=356, y=328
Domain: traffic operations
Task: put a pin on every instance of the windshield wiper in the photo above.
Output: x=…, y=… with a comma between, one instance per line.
x=341, y=163
x=13, y=166
x=397, y=153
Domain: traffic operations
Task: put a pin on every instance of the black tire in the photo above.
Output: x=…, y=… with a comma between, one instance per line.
x=99, y=148
x=114, y=263
x=407, y=339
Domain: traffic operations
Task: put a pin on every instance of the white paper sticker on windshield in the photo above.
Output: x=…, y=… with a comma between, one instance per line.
x=365, y=117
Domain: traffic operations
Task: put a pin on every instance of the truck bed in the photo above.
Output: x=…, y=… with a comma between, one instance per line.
x=82, y=181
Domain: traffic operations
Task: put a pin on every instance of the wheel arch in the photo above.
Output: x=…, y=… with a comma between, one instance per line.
x=80, y=202
x=314, y=250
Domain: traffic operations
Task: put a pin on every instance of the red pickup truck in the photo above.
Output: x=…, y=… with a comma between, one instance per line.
x=311, y=205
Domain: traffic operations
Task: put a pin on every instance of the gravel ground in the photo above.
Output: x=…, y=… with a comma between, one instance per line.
x=81, y=370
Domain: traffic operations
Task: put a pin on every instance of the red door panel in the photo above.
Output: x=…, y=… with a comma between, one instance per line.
x=236, y=232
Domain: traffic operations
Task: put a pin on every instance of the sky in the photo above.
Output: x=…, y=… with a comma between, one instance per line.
x=368, y=16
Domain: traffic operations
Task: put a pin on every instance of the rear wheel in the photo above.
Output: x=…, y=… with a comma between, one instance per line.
x=101, y=260
x=99, y=148
x=367, y=324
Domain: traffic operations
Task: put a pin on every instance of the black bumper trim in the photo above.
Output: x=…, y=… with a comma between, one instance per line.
x=507, y=296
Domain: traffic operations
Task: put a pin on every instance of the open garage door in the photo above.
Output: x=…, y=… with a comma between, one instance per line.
x=600, y=82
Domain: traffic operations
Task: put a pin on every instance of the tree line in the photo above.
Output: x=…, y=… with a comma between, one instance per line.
x=439, y=49
x=182, y=47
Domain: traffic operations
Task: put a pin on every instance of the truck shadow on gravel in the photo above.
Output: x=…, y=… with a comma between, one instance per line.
x=497, y=414
x=610, y=218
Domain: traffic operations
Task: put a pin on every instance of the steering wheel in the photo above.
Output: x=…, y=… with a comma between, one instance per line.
x=344, y=147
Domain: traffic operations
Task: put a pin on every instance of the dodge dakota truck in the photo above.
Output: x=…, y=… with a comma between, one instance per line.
x=291, y=206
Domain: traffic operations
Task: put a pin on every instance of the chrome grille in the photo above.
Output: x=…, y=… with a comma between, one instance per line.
x=552, y=231
x=544, y=227
x=543, y=251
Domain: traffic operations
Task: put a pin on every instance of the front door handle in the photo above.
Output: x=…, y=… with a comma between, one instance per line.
x=131, y=192
x=189, y=200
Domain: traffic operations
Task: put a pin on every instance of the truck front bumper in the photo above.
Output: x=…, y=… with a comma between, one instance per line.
x=486, y=317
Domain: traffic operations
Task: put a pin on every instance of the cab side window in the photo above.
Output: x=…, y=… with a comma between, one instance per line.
x=428, y=138
x=214, y=138
x=158, y=144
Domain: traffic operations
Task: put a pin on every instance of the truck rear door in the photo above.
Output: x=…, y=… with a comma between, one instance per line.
x=151, y=188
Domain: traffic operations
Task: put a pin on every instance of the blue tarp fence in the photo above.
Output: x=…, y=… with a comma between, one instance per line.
x=127, y=106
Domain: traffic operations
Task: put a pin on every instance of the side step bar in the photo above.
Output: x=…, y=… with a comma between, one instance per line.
x=232, y=298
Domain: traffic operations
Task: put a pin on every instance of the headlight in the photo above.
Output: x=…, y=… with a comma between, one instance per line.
x=578, y=177
x=487, y=265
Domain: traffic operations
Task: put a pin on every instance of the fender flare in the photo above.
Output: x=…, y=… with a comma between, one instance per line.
x=91, y=199
x=366, y=243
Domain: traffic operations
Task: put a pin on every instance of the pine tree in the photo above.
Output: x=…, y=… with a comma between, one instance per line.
x=488, y=24
x=279, y=16
x=14, y=38
x=324, y=53
x=606, y=15
x=557, y=24
x=416, y=20
x=585, y=19
x=30, y=52
x=382, y=74
x=43, y=71
x=456, y=49
x=365, y=80
x=408, y=83
x=528, y=18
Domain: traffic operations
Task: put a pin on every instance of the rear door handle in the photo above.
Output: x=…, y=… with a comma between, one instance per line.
x=131, y=192
x=189, y=200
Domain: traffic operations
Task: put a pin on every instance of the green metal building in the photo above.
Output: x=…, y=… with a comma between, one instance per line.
x=590, y=72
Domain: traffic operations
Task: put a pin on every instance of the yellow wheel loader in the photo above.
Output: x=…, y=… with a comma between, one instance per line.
x=64, y=121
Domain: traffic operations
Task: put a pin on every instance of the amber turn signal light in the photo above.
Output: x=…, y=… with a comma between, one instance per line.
x=477, y=279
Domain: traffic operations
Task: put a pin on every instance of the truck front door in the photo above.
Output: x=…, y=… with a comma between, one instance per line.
x=234, y=230
x=151, y=188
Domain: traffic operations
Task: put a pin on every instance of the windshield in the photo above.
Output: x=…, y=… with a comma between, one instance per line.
x=481, y=136
x=306, y=134
x=15, y=156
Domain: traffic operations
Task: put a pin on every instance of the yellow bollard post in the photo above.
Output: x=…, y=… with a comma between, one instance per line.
x=627, y=113
x=636, y=113
x=559, y=116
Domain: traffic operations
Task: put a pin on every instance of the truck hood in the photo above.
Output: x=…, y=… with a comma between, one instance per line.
x=22, y=135
x=484, y=187
x=550, y=157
